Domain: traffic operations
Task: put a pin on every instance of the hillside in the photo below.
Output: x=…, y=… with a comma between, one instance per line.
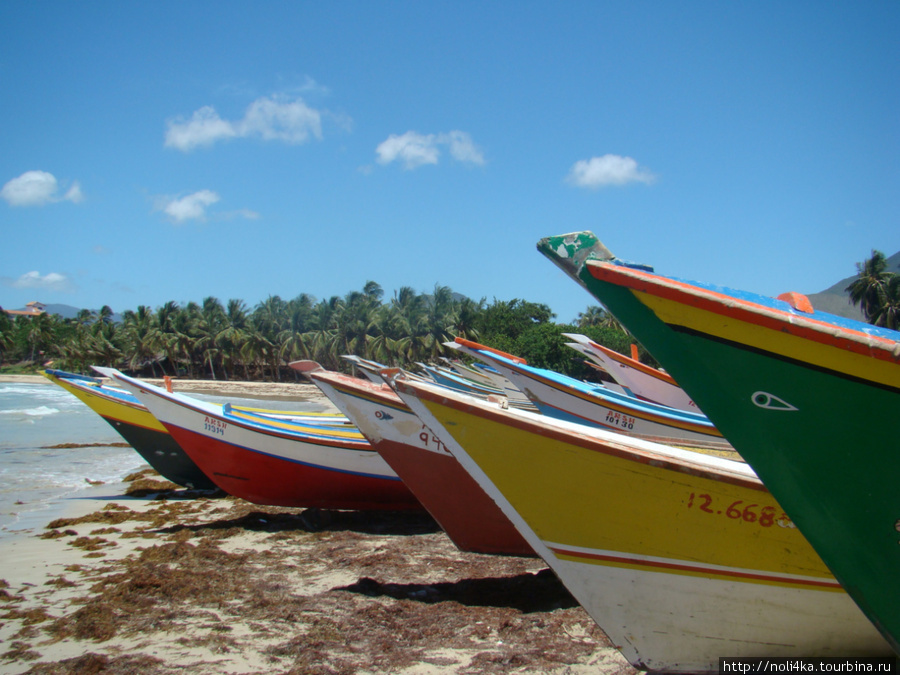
x=836, y=300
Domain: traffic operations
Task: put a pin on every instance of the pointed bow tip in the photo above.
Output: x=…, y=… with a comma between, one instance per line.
x=305, y=366
x=570, y=251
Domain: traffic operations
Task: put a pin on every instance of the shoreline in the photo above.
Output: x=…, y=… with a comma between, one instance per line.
x=267, y=391
x=142, y=576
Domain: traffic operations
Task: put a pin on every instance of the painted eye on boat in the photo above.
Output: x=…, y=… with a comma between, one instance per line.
x=767, y=401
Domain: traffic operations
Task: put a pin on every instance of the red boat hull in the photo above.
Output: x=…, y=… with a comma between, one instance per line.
x=471, y=519
x=274, y=481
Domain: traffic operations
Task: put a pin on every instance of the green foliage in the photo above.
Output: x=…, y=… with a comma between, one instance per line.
x=234, y=341
x=877, y=292
x=509, y=319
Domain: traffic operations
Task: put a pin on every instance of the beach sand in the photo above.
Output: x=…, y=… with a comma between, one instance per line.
x=142, y=577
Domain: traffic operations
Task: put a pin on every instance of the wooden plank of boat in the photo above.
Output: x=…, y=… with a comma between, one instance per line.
x=274, y=464
x=808, y=399
x=467, y=515
x=679, y=557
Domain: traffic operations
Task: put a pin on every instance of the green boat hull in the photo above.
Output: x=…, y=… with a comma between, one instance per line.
x=825, y=443
x=163, y=453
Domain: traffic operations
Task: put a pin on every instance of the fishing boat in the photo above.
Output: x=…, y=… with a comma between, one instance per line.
x=808, y=399
x=274, y=462
x=564, y=397
x=140, y=429
x=679, y=557
x=490, y=376
x=650, y=384
x=470, y=518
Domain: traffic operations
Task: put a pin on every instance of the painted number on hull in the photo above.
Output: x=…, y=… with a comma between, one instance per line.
x=739, y=510
x=214, y=426
x=429, y=440
x=619, y=420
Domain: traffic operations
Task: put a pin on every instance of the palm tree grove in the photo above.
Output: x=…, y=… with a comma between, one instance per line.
x=232, y=341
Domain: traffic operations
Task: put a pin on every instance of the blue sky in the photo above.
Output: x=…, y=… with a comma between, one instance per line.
x=156, y=151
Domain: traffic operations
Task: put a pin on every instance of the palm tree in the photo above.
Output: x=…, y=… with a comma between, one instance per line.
x=106, y=314
x=142, y=338
x=354, y=322
x=7, y=329
x=181, y=336
x=439, y=319
x=270, y=316
x=597, y=316
x=209, y=324
x=467, y=311
x=166, y=316
x=85, y=317
x=867, y=290
x=233, y=333
x=39, y=332
x=299, y=315
x=887, y=313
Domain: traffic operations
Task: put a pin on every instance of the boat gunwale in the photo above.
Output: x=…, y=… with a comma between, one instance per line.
x=281, y=457
x=747, y=311
x=672, y=417
x=527, y=422
x=176, y=399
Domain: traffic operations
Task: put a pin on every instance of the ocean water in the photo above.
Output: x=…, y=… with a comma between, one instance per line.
x=35, y=476
x=38, y=479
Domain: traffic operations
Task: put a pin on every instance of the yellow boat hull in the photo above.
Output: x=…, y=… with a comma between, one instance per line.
x=680, y=558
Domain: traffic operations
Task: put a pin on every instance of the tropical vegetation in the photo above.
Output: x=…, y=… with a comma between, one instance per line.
x=212, y=340
x=877, y=291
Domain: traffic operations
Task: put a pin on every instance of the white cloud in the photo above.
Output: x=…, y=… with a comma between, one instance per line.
x=414, y=149
x=411, y=148
x=189, y=207
x=73, y=194
x=280, y=120
x=52, y=281
x=204, y=128
x=463, y=148
x=599, y=172
x=275, y=118
x=36, y=188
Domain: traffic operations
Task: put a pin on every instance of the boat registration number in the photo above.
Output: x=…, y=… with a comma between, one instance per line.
x=765, y=516
x=617, y=419
x=431, y=441
x=214, y=426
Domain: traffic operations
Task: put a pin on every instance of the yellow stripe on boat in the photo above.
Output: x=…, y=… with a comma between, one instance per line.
x=862, y=356
x=293, y=426
x=110, y=407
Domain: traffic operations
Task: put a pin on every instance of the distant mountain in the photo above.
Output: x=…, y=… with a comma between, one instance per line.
x=70, y=312
x=65, y=311
x=836, y=300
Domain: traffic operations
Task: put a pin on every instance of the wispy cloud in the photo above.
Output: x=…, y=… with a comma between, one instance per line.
x=413, y=149
x=270, y=118
x=53, y=281
x=188, y=207
x=247, y=214
x=36, y=188
x=195, y=206
x=598, y=172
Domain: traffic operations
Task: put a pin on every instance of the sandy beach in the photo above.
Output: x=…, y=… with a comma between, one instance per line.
x=145, y=577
